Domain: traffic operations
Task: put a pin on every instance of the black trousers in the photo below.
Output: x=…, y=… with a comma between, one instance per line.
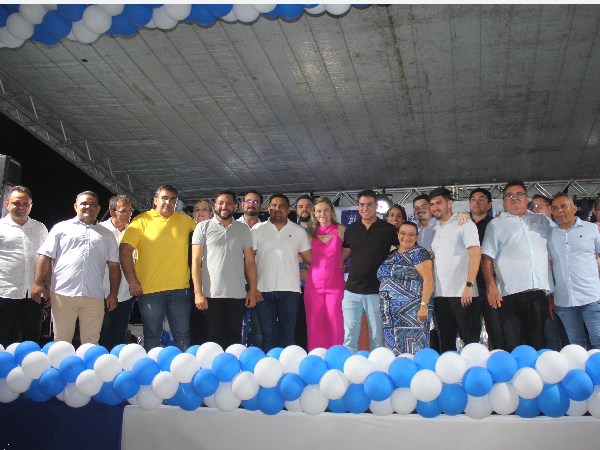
x=20, y=320
x=301, y=329
x=197, y=325
x=224, y=318
x=522, y=317
x=492, y=321
x=452, y=317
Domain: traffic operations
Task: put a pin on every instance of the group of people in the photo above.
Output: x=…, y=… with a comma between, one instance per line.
x=421, y=284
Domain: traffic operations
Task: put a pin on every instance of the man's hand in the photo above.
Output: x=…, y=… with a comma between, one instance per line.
x=551, y=307
x=135, y=288
x=463, y=218
x=344, y=266
x=467, y=296
x=253, y=297
x=303, y=274
x=38, y=291
x=111, y=302
x=200, y=300
x=494, y=297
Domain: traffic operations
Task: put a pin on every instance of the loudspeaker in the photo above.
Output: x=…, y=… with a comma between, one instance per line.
x=10, y=169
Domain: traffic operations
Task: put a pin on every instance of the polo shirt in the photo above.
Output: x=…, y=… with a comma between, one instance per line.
x=277, y=255
x=481, y=226
x=18, y=254
x=123, y=294
x=573, y=254
x=162, y=249
x=223, y=268
x=450, y=245
x=242, y=219
x=80, y=253
x=369, y=248
x=426, y=234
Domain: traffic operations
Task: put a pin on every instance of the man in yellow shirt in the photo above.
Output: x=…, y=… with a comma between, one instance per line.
x=161, y=276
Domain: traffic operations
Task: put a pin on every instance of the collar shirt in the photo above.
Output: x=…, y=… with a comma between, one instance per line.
x=80, y=253
x=123, y=294
x=277, y=255
x=223, y=269
x=518, y=246
x=573, y=253
x=242, y=219
x=450, y=245
x=426, y=234
x=18, y=254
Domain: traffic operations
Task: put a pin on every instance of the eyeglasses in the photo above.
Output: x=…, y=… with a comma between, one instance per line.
x=403, y=234
x=252, y=202
x=517, y=195
x=124, y=211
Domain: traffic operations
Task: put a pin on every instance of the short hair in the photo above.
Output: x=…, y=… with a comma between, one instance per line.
x=22, y=189
x=412, y=224
x=226, y=192
x=367, y=193
x=421, y=197
x=514, y=183
x=166, y=187
x=305, y=197
x=93, y=194
x=560, y=194
x=483, y=191
x=440, y=192
x=253, y=191
x=402, y=210
x=112, y=203
x=280, y=196
x=546, y=199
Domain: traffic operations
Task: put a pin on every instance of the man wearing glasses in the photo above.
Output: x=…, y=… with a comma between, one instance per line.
x=251, y=205
x=516, y=270
x=114, y=326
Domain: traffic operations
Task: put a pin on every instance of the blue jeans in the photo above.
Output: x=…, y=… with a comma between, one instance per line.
x=555, y=334
x=115, y=323
x=277, y=318
x=574, y=318
x=353, y=307
x=176, y=305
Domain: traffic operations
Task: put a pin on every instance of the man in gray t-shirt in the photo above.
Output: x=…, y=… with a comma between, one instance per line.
x=219, y=286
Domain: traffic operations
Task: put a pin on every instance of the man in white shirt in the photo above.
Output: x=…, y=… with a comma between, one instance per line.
x=79, y=250
x=277, y=243
x=456, y=263
x=425, y=221
x=116, y=322
x=20, y=238
x=251, y=205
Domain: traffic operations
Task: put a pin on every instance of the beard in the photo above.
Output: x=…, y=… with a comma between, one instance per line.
x=251, y=213
x=225, y=216
x=304, y=216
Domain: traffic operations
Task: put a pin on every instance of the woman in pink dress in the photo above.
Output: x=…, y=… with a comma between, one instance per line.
x=324, y=289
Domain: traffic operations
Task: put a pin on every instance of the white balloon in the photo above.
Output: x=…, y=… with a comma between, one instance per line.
x=503, y=398
x=146, y=399
x=244, y=385
x=291, y=357
x=164, y=385
x=19, y=27
x=293, y=406
x=83, y=347
x=478, y=407
x=32, y=13
x=425, y=385
x=35, y=364
x=11, y=42
x=133, y=400
x=17, y=381
x=264, y=8
x=88, y=383
x=357, y=368
x=224, y=398
x=229, y=17
x=73, y=397
x=2, y=348
x=59, y=351
x=312, y=401
x=319, y=351
x=6, y=395
x=210, y=401
x=111, y=10
x=475, y=354
x=268, y=371
x=153, y=353
x=576, y=356
x=407, y=355
x=177, y=12
x=130, y=354
x=382, y=357
x=95, y=20
x=592, y=403
x=184, y=366
x=577, y=408
x=527, y=382
x=319, y=9
x=162, y=20
x=403, y=401
x=334, y=384
x=236, y=349
x=382, y=408
x=107, y=367
x=450, y=367
x=61, y=396
x=592, y=351
x=12, y=347
x=337, y=10
x=150, y=24
x=207, y=353
x=245, y=13
x=83, y=35
x=552, y=366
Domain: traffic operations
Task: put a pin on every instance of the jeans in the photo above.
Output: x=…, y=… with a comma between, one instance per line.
x=574, y=318
x=20, y=320
x=277, y=318
x=555, y=334
x=353, y=307
x=176, y=305
x=114, y=326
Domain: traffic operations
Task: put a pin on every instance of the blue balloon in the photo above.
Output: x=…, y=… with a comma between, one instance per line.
x=12, y=8
x=429, y=410
x=273, y=14
x=502, y=366
x=577, y=385
x=51, y=383
x=39, y=35
x=275, y=353
x=525, y=355
x=193, y=350
x=355, y=399
x=200, y=15
x=46, y=347
x=170, y=344
x=361, y=6
x=312, y=368
x=453, y=399
x=70, y=368
x=24, y=349
x=218, y=10
x=290, y=12
x=402, y=371
x=426, y=359
x=55, y=25
x=187, y=398
x=120, y=25
x=155, y=6
x=309, y=6
x=7, y=363
x=363, y=353
x=226, y=366
x=205, y=383
x=528, y=408
x=290, y=387
x=144, y=371
x=117, y=349
x=125, y=386
x=553, y=401
x=108, y=394
x=71, y=12
x=252, y=404
x=592, y=367
x=137, y=14
x=92, y=354
x=166, y=356
x=99, y=397
x=172, y=401
x=4, y=13
x=165, y=338
x=378, y=386
x=477, y=381
x=337, y=406
x=336, y=356
x=269, y=401
x=249, y=358
x=36, y=394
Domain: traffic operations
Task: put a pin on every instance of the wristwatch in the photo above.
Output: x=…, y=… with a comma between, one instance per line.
x=469, y=284
x=423, y=304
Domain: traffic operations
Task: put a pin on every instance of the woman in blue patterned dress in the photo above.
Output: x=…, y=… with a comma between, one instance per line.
x=406, y=287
